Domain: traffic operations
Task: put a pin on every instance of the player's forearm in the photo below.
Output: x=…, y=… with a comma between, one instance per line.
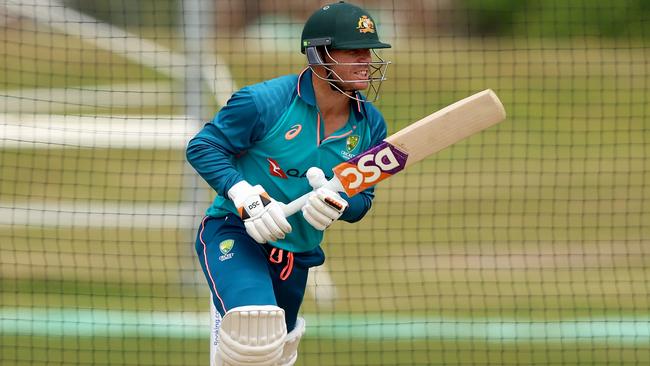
x=213, y=164
x=359, y=205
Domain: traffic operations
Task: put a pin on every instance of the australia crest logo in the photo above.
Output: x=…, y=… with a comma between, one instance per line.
x=225, y=247
x=352, y=142
x=366, y=25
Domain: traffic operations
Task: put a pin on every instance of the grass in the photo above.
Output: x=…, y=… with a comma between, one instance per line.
x=111, y=351
x=544, y=217
x=91, y=174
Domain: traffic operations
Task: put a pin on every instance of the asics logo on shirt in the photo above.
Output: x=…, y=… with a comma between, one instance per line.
x=293, y=132
x=275, y=170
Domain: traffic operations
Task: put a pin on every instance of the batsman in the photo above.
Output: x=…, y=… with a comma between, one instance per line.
x=255, y=154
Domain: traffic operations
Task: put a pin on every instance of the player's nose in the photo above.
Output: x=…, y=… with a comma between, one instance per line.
x=364, y=56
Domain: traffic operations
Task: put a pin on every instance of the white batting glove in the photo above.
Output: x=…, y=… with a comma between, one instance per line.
x=323, y=207
x=262, y=215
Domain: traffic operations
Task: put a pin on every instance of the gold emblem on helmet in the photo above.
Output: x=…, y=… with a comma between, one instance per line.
x=366, y=25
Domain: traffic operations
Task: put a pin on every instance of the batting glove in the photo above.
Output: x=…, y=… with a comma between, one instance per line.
x=323, y=207
x=262, y=215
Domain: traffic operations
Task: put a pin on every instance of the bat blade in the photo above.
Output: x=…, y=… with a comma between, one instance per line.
x=413, y=143
x=423, y=138
x=449, y=125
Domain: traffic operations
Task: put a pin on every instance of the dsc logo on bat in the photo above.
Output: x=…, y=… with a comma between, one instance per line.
x=370, y=168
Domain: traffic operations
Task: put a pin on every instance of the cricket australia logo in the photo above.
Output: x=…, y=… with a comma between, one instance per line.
x=352, y=142
x=225, y=247
x=366, y=25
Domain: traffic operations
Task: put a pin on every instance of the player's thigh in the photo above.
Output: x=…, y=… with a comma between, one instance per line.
x=290, y=292
x=235, y=266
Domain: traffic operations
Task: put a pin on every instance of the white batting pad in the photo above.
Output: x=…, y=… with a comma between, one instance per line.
x=251, y=336
x=290, y=352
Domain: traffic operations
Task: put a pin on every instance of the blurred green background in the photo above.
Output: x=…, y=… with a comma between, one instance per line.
x=525, y=244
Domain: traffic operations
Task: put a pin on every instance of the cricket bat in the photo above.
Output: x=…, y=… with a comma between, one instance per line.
x=411, y=144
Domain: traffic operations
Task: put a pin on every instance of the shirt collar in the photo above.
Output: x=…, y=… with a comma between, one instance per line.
x=305, y=90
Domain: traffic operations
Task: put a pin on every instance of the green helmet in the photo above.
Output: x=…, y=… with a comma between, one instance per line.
x=341, y=26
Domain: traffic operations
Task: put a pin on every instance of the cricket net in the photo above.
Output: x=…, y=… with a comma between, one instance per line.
x=528, y=243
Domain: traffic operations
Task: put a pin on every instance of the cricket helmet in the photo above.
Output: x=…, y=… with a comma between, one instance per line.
x=343, y=26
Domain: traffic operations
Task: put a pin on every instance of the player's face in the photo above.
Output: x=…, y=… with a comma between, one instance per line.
x=350, y=73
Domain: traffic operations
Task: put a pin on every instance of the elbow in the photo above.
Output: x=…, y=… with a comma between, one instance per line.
x=358, y=218
x=352, y=220
x=191, y=151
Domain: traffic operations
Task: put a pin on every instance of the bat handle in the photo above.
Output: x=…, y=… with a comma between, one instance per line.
x=295, y=205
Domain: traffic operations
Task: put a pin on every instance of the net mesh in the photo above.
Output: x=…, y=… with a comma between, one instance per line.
x=525, y=244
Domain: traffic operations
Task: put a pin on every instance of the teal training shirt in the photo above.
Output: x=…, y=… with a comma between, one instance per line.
x=270, y=134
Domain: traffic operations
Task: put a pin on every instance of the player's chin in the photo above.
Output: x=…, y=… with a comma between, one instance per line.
x=357, y=85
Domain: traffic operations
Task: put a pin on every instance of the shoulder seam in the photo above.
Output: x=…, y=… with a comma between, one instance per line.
x=282, y=91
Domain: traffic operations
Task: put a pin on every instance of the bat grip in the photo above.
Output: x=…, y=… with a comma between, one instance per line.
x=295, y=205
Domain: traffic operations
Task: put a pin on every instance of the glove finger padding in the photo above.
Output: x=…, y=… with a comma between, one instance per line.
x=315, y=218
x=263, y=231
x=326, y=205
x=276, y=213
x=253, y=232
x=329, y=203
x=323, y=207
x=272, y=227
